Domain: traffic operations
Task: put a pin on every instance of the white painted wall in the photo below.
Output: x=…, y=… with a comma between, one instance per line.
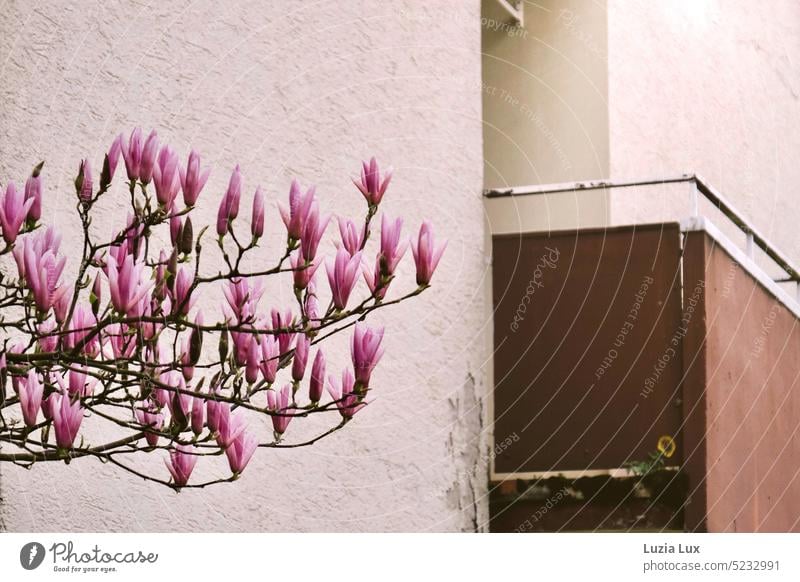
x=286, y=89
x=709, y=87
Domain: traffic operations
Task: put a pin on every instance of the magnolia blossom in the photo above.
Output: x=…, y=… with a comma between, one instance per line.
x=342, y=276
x=181, y=464
x=371, y=185
x=241, y=451
x=347, y=401
x=270, y=352
x=148, y=162
x=229, y=205
x=317, y=382
x=152, y=419
x=13, y=210
x=127, y=285
x=313, y=228
x=352, y=235
x=132, y=354
x=366, y=351
x=30, y=391
x=132, y=154
x=278, y=402
x=257, y=220
x=67, y=418
x=33, y=191
x=193, y=179
x=426, y=253
x=165, y=177
x=294, y=217
x=303, y=270
x=300, y=358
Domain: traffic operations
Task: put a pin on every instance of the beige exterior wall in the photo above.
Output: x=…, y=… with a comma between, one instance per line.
x=632, y=89
x=710, y=87
x=286, y=89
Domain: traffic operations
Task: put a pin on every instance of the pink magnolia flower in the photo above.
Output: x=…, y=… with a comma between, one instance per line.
x=347, y=401
x=166, y=178
x=85, y=181
x=67, y=418
x=148, y=162
x=33, y=191
x=213, y=411
x=253, y=360
x=122, y=340
x=132, y=154
x=283, y=321
x=229, y=205
x=47, y=340
x=278, y=402
x=303, y=273
x=352, y=236
x=113, y=156
x=42, y=274
x=392, y=249
x=426, y=253
x=41, y=242
x=300, y=358
x=198, y=414
x=294, y=217
x=152, y=419
x=80, y=384
x=366, y=351
x=371, y=185
x=83, y=321
x=61, y=303
x=270, y=355
x=229, y=425
x=193, y=179
x=317, y=382
x=257, y=220
x=313, y=229
x=182, y=300
x=242, y=295
x=96, y=295
x=181, y=464
x=342, y=276
x=127, y=285
x=13, y=210
x=240, y=452
x=30, y=390
x=312, y=306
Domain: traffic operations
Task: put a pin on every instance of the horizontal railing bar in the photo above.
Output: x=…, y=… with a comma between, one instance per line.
x=710, y=193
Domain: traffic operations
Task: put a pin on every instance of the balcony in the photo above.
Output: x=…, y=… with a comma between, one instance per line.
x=645, y=372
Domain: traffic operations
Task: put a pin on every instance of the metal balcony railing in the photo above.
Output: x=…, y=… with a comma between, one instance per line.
x=754, y=238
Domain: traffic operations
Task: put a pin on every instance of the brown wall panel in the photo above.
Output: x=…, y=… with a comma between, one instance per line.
x=588, y=347
x=752, y=402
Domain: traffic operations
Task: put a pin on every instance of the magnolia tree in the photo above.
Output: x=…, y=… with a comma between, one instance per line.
x=122, y=342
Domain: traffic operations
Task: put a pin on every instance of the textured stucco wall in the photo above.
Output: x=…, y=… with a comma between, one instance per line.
x=712, y=87
x=285, y=89
x=545, y=93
